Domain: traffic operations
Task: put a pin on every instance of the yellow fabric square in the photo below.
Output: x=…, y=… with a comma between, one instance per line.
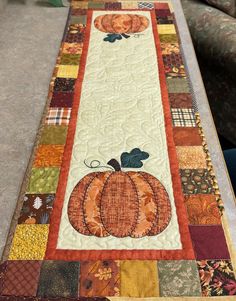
x=79, y=4
x=191, y=157
x=133, y=281
x=166, y=29
x=29, y=242
x=129, y=5
x=67, y=71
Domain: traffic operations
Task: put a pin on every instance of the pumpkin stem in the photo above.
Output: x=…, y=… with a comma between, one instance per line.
x=96, y=164
x=115, y=164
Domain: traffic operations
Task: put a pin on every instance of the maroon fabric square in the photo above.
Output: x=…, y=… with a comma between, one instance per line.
x=113, y=5
x=62, y=99
x=209, y=242
x=21, y=278
x=162, y=12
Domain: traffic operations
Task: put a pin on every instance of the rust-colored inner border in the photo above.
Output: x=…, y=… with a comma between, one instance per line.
x=61, y=254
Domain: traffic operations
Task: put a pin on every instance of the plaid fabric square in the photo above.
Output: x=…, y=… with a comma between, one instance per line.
x=183, y=117
x=58, y=116
x=21, y=278
x=146, y=5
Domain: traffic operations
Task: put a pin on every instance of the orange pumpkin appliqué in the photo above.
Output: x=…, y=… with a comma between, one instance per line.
x=119, y=203
x=121, y=23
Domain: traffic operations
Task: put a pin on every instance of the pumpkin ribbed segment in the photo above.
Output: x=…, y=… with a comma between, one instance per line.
x=147, y=205
x=163, y=205
x=75, y=206
x=106, y=22
x=92, y=204
x=120, y=205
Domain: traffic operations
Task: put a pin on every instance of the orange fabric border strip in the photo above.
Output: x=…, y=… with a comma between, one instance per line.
x=61, y=188
x=61, y=254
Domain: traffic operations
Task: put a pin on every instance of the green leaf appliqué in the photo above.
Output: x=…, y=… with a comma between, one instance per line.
x=134, y=158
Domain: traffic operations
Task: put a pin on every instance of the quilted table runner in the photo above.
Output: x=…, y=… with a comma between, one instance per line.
x=120, y=199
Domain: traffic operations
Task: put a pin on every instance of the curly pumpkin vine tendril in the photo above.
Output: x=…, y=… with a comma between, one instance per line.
x=96, y=164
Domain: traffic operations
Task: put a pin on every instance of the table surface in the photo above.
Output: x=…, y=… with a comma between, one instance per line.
x=27, y=56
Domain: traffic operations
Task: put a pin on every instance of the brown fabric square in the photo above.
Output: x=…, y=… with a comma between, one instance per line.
x=78, y=12
x=3, y=267
x=180, y=100
x=21, y=278
x=36, y=209
x=187, y=136
x=99, y=278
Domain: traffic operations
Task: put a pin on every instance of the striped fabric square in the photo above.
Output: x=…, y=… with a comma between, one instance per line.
x=183, y=117
x=58, y=116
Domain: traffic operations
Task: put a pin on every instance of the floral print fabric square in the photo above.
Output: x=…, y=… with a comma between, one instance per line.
x=178, y=278
x=217, y=278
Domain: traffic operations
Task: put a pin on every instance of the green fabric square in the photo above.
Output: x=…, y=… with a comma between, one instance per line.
x=43, y=180
x=59, y=279
x=82, y=19
x=70, y=59
x=168, y=38
x=178, y=278
x=92, y=4
x=178, y=85
x=53, y=134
